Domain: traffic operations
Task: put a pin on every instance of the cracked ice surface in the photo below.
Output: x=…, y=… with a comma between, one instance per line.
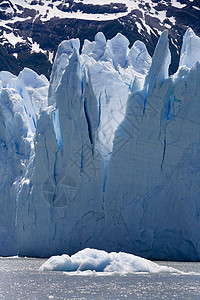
x=110, y=159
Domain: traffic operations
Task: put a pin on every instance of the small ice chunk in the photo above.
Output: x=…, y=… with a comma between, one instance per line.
x=100, y=45
x=139, y=58
x=119, y=50
x=5, y=78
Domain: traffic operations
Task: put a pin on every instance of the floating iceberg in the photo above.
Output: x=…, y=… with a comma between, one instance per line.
x=101, y=261
x=106, y=153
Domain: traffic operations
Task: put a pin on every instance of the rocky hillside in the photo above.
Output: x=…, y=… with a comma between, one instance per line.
x=31, y=30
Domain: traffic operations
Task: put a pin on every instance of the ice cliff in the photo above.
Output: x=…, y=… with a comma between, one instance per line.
x=105, y=155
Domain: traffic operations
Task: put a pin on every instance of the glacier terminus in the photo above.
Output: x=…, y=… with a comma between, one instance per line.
x=105, y=155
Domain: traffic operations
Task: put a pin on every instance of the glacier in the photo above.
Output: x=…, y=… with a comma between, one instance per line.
x=105, y=155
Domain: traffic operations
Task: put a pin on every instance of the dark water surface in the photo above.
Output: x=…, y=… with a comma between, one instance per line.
x=20, y=279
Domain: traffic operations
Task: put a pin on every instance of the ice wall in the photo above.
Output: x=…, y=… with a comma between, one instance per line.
x=18, y=112
x=106, y=155
x=63, y=203
x=152, y=191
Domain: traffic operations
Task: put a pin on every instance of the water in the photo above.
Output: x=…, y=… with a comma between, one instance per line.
x=20, y=279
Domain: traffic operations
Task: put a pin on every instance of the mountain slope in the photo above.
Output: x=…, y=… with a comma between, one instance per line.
x=28, y=27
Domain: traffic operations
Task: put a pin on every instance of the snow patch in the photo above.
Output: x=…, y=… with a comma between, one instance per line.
x=177, y=4
x=12, y=38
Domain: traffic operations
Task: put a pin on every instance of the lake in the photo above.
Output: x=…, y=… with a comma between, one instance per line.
x=20, y=279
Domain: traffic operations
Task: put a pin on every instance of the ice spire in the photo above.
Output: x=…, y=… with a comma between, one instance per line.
x=190, y=49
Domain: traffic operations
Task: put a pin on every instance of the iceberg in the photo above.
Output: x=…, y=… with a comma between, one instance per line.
x=100, y=261
x=105, y=155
